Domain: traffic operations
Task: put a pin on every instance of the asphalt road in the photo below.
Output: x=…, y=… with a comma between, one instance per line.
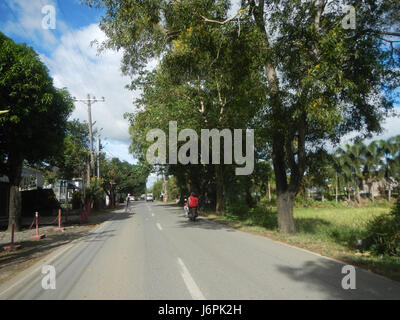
x=154, y=252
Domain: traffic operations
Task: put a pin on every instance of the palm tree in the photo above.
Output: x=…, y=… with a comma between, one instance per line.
x=372, y=165
x=336, y=170
x=388, y=150
x=353, y=164
x=343, y=165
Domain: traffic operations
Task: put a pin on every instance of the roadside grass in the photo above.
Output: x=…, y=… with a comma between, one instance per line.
x=329, y=231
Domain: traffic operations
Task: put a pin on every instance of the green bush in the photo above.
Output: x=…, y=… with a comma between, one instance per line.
x=239, y=208
x=95, y=193
x=262, y=216
x=156, y=189
x=383, y=233
x=172, y=189
x=301, y=202
x=259, y=216
x=76, y=200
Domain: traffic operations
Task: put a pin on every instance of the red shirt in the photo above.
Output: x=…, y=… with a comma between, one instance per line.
x=193, y=201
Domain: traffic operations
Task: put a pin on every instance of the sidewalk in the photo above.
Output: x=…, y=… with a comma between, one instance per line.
x=13, y=262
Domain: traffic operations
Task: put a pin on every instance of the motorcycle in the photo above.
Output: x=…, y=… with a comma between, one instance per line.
x=192, y=215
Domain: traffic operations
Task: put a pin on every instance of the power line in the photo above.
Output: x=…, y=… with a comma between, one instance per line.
x=89, y=101
x=112, y=154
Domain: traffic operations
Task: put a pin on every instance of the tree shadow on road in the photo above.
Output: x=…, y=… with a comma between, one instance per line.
x=203, y=223
x=171, y=205
x=324, y=278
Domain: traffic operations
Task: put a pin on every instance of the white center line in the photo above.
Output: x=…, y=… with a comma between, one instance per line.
x=194, y=290
x=159, y=226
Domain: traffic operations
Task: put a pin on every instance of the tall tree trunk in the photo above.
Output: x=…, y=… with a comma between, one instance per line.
x=269, y=191
x=219, y=179
x=15, y=207
x=281, y=138
x=88, y=175
x=285, y=196
x=112, y=197
x=336, y=188
x=285, y=202
x=371, y=190
x=14, y=177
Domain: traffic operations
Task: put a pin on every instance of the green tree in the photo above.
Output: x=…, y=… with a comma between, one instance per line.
x=388, y=150
x=34, y=128
x=157, y=189
x=123, y=178
x=73, y=159
x=372, y=165
x=322, y=81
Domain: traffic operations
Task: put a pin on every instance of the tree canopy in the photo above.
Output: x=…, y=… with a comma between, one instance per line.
x=311, y=79
x=34, y=128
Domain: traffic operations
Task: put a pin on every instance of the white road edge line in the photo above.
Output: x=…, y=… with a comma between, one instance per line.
x=48, y=259
x=191, y=285
x=37, y=269
x=159, y=226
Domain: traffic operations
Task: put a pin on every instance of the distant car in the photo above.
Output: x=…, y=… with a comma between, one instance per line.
x=132, y=198
x=149, y=197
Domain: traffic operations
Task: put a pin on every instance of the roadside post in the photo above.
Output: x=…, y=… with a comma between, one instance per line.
x=59, y=221
x=37, y=235
x=12, y=246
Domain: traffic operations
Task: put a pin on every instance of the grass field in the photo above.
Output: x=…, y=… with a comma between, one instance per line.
x=331, y=232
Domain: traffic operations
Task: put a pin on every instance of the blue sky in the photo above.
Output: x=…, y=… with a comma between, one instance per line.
x=22, y=20
x=75, y=64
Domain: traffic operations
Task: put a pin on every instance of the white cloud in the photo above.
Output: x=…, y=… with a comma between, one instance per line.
x=391, y=128
x=75, y=64
x=28, y=22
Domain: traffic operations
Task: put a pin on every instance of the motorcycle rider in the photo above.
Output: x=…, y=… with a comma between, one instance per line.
x=193, y=201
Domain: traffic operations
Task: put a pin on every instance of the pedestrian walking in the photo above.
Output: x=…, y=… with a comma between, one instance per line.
x=128, y=198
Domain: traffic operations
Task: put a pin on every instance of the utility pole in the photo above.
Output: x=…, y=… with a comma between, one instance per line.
x=165, y=198
x=89, y=101
x=98, y=155
x=98, y=152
